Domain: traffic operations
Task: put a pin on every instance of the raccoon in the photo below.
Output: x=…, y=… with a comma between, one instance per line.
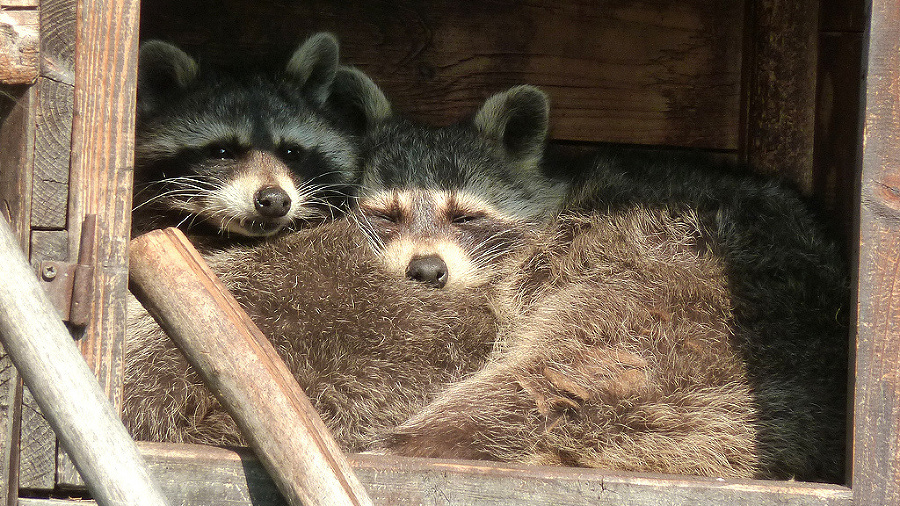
x=433, y=194
x=242, y=154
x=444, y=205
x=368, y=348
x=624, y=353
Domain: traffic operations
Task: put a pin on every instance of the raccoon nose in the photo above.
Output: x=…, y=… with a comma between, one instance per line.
x=430, y=270
x=272, y=202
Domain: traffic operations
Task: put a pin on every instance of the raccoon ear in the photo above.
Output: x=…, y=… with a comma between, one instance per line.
x=163, y=69
x=517, y=118
x=357, y=99
x=314, y=65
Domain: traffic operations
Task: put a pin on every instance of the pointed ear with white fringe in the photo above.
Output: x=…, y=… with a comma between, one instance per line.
x=359, y=99
x=314, y=65
x=518, y=119
x=163, y=70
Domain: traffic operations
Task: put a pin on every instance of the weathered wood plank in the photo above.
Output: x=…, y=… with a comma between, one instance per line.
x=837, y=148
x=876, y=447
x=101, y=171
x=50, y=195
x=209, y=476
x=37, y=461
x=58, y=40
x=16, y=141
x=17, y=108
x=10, y=423
x=203, y=475
x=241, y=367
x=19, y=44
x=780, y=78
x=66, y=389
x=662, y=72
x=37, y=470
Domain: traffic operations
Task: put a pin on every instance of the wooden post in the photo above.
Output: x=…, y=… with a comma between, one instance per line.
x=65, y=388
x=876, y=434
x=243, y=370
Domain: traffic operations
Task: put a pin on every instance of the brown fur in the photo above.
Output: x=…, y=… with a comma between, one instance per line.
x=368, y=348
x=623, y=354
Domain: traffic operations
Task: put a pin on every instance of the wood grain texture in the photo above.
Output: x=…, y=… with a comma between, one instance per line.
x=241, y=367
x=780, y=79
x=16, y=142
x=661, y=72
x=37, y=469
x=10, y=424
x=102, y=164
x=19, y=44
x=837, y=149
x=53, y=125
x=17, y=109
x=37, y=461
x=876, y=446
x=66, y=389
x=209, y=476
x=58, y=40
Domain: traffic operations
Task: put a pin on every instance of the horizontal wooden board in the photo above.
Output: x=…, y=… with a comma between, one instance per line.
x=200, y=475
x=662, y=72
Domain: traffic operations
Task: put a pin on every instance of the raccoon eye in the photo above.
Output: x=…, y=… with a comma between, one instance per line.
x=389, y=216
x=292, y=152
x=220, y=151
x=462, y=218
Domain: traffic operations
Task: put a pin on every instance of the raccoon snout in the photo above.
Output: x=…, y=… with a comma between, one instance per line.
x=430, y=270
x=272, y=202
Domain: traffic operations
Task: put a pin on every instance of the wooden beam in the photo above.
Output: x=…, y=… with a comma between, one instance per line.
x=209, y=476
x=243, y=370
x=67, y=391
x=780, y=64
x=19, y=42
x=876, y=442
x=102, y=163
x=16, y=143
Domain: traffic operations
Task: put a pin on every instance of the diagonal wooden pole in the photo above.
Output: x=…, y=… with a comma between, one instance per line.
x=243, y=370
x=65, y=388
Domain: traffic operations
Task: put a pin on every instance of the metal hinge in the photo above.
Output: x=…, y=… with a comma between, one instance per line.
x=70, y=285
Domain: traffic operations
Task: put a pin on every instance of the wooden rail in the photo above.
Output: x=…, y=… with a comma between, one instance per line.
x=208, y=476
x=243, y=370
x=66, y=389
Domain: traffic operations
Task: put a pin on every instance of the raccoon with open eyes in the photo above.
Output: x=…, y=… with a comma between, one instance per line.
x=241, y=155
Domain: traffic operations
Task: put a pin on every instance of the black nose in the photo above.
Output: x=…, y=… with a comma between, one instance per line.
x=272, y=202
x=430, y=270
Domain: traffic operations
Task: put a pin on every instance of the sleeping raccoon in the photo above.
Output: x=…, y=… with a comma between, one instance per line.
x=445, y=204
x=367, y=347
x=244, y=155
x=623, y=353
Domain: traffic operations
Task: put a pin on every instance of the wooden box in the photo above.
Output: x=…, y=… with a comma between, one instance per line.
x=789, y=87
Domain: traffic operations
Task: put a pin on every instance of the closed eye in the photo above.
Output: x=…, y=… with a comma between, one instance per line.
x=463, y=218
x=389, y=215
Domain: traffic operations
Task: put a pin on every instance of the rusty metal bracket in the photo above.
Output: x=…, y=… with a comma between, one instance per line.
x=70, y=285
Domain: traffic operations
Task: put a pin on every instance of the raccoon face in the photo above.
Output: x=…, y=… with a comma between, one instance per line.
x=246, y=155
x=440, y=238
x=444, y=205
